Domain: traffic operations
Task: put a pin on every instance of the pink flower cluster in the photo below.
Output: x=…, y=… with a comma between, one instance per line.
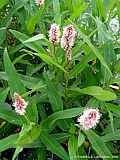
x=54, y=33
x=19, y=104
x=67, y=40
x=39, y=2
x=89, y=119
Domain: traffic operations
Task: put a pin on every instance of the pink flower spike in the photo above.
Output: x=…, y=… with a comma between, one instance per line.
x=54, y=33
x=19, y=104
x=67, y=40
x=39, y=2
x=89, y=119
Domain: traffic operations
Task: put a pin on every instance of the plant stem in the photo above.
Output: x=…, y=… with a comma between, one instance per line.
x=66, y=78
x=27, y=120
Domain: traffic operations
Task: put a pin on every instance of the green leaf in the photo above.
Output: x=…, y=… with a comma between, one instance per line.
x=14, y=81
x=2, y=34
x=17, y=151
x=103, y=34
x=50, y=61
x=93, y=48
x=61, y=137
x=36, y=47
x=81, y=139
x=96, y=52
x=100, y=8
x=35, y=38
x=79, y=6
x=28, y=81
x=8, y=142
x=36, y=144
x=18, y=59
x=53, y=145
x=80, y=67
x=48, y=123
x=9, y=115
x=41, y=153
x=98, y=145
x=18, y=5
x=54, y=95
x=3, y=95
x=112, y=136
x=111, y=121
x=113, y=108
x=97, y=92
x=111, y=4
x=56, y=9
x=72, y=147
x=32, y=112
x=33, y=20
x=28, y=134
x=3, y=3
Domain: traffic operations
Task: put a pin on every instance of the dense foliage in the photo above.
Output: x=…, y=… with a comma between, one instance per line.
x=57, y=81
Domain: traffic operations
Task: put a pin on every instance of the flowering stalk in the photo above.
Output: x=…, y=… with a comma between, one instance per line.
x=39, y=2
x=54, y=34
x=20, y=104
x=89, y=119
x=67, y=40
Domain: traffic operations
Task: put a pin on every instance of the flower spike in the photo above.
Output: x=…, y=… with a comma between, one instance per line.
x=67, y=40
x=54, y=33
x=89, y=119
x=39, y=2
x=20, y=104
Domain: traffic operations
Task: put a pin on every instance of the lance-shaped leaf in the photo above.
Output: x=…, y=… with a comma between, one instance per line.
x=9, y=115
x=96, y=92
x=36, y=46
x=3, y=95
x=73, y=147
x=53, y=145
x=112, y=136
x=8, y=142
x=49, y=122
x=98, y=145
x=14, y=80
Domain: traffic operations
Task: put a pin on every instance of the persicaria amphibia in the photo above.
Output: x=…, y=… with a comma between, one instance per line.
x=20, y=104
x=89, y=119
x=67, y=40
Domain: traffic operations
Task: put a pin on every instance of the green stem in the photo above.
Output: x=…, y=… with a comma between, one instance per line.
x=54, y=55
x=66, y=78
x=66, y=84
x=27, y=120
x=54, y=49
